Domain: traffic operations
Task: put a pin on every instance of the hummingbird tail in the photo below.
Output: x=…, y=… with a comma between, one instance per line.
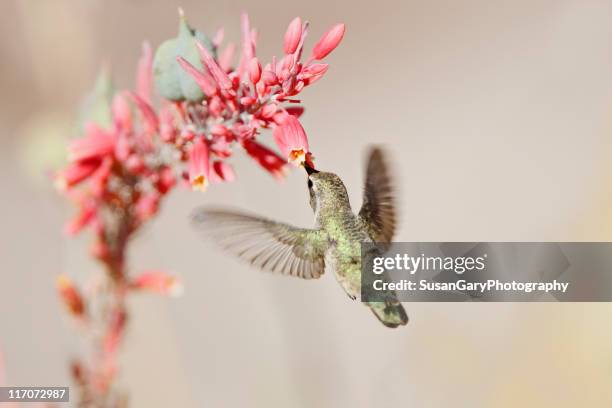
x=390, y=313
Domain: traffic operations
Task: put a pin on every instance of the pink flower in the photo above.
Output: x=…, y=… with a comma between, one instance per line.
x=218, y=74
x=266, y=158
x=148, y=114
x=203, y=79
x=76, y=173
x=292, y=141
x=254, y=70
x=144, y=77
x=165, y=180
x=85, y=216
x=122, y=114
x=226, y=56
x=70, y=296
x=147, y=206
x=293, y=35
x=222, y=172
x=328, y=42
x=269, y=78
x=199, y=167
x=157, y=282
x=97, y=143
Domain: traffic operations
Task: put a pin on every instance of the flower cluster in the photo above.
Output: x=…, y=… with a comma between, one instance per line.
x=118, y=173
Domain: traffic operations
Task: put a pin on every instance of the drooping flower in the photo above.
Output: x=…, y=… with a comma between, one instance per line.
x=266, y=158
x=222, y=171
x=291, y=139
x=97, y=143
x=70, y=296
x=158, y=282
x=76, y=173
x=199, y=166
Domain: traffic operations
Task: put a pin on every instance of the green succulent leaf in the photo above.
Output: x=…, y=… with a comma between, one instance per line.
x=171, y=81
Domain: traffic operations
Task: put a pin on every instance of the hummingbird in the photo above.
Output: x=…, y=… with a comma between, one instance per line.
x=333, y=245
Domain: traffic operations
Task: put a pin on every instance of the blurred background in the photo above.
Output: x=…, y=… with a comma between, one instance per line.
x=499, y=118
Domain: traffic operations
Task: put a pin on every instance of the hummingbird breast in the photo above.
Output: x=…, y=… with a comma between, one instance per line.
x=343, y=255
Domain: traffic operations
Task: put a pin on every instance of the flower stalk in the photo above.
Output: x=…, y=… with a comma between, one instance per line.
x=120, y=172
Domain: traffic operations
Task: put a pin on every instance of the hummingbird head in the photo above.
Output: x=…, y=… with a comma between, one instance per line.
x=327, y=191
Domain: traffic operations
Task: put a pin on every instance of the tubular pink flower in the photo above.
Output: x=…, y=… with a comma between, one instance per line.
x=203, y=79
x=84, y=217
x=144, y=77
x=122, y=114
x=218, y=74
x=218, y=37
x=199, y=166
x=97, y=143
x=148, y=114
x=328, y=42
x=248, y=46
x=266, y=158
x=157, y=282
x=226, y=56
x=293, y=35
x=76, y=173
x=223, y=172
x=254, y=70
x=291, y=139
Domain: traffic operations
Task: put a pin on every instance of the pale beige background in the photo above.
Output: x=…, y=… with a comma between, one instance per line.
x=499, y=115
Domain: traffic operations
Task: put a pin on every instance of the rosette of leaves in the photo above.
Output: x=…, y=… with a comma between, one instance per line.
x=171, y=81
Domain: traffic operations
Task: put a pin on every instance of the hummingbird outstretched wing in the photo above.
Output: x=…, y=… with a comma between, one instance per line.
x=267, y=244
x=378, y=213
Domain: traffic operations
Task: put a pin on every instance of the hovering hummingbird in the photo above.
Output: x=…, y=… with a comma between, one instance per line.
x=333, y=245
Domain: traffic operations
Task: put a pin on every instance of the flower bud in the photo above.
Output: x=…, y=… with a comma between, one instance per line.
x=293, y=35
x=158, y=282
x=328, y=42
x=70, y=296
x=269, y=78
x=254, y=70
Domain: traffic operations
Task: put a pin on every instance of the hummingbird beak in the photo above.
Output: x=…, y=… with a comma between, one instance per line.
x=310, y=170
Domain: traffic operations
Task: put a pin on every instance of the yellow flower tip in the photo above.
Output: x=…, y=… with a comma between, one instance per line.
x=63, y=282
x=297, y=157
x=199, y=183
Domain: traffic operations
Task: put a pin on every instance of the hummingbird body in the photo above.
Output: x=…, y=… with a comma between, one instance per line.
x=332, y=246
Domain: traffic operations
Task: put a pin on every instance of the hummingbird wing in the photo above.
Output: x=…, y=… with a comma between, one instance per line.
x=267, y=244
x=378, y=214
